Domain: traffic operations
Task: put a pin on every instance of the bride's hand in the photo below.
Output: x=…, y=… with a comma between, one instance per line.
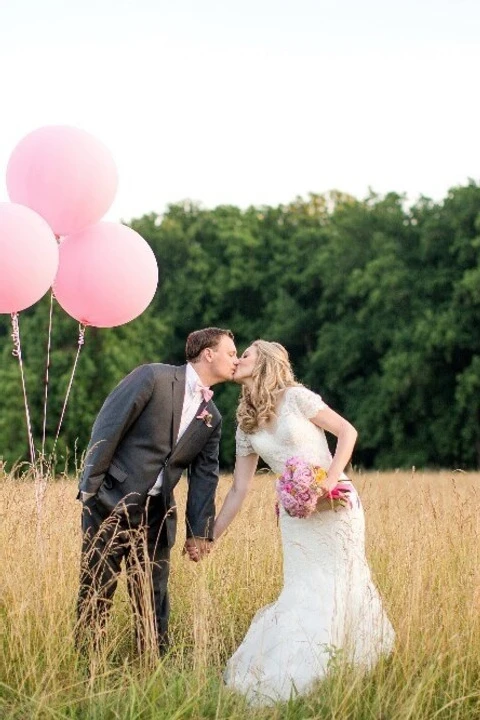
x=330, y=482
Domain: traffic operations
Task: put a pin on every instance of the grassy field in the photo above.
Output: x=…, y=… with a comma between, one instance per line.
x=423, y=544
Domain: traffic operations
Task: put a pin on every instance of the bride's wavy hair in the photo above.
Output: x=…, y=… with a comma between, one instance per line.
x=272, y=374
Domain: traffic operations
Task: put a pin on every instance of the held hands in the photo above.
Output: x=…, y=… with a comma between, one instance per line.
x=196, y=548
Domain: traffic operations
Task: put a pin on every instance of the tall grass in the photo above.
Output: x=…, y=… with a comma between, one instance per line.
x=423, y=544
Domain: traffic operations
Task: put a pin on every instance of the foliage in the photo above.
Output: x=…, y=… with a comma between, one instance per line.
x=375, y=301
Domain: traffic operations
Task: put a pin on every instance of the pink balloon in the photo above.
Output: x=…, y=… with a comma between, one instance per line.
x=107, y=275
x=28, y=257
x=65, y=174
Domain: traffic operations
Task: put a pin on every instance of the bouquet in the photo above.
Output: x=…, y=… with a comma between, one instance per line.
x=301, y=485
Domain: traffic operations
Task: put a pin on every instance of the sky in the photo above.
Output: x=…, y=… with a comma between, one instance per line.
x=250, y=102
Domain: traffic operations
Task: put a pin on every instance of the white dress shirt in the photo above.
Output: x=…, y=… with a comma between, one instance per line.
x=191, y=403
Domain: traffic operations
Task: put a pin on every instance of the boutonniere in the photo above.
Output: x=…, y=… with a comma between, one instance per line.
x=206, y=417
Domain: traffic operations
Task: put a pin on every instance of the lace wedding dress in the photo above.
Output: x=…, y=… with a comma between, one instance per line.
x=329, y=606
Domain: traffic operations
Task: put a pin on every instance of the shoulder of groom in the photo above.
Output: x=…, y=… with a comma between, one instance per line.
x=165, y=369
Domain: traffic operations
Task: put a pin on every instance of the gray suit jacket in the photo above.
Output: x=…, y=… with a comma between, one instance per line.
x=133, y=437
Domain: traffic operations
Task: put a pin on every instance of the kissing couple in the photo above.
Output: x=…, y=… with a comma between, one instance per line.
x=161, y=420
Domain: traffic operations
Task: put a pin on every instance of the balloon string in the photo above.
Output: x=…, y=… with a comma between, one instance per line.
x=81, y=341
x=17, y=352
x=47, y=368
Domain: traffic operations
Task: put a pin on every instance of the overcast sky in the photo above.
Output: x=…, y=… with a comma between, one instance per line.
x=251, y=101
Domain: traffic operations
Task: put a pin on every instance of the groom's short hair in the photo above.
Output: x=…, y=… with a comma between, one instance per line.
x=198, y=340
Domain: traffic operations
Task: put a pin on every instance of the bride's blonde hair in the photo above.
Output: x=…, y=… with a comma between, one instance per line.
x=272, y=374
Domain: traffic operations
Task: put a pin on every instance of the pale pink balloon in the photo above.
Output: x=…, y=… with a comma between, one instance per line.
x=107, y=275
x=28, y=257
x=65, y=174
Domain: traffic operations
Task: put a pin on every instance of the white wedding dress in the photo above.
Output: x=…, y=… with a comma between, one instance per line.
x=329, y=608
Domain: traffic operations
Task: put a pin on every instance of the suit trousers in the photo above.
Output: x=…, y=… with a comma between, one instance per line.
x=109, y=538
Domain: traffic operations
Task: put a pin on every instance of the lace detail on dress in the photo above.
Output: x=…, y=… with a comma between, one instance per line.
x=298, y=401
x=328, y=603
x=243, y=444
x=308, y=402
x=291, y=433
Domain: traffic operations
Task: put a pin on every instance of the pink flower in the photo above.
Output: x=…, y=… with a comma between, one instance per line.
x=206, y=417
x=341, y=494
x=299, y=488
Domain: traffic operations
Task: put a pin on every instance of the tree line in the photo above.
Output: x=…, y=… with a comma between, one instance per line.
x=376, y=301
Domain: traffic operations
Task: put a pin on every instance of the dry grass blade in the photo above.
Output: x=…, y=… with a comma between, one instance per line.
x=423, y=544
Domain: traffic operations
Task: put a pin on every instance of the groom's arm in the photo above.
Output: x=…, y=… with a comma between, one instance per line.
x=118, y=413
x=202, y=486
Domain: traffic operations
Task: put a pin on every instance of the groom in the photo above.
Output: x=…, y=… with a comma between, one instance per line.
x=159, y=421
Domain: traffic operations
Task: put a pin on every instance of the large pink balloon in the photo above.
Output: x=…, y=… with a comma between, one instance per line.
x=28, y=257
x=65, y=174
x=107, y=275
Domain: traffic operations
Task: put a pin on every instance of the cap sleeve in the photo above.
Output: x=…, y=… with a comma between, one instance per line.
x=243, y=444
x=308, y=402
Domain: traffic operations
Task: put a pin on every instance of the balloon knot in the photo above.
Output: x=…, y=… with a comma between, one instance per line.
x=17, y=350
x=81, y=334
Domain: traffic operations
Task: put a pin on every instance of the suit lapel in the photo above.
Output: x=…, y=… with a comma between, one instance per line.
x=194, y=428
x=178, y=396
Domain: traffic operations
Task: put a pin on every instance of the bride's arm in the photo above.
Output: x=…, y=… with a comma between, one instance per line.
x=346, y=435
x=245, y=467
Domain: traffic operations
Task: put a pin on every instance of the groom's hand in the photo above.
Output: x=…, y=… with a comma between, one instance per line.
x=196, y=548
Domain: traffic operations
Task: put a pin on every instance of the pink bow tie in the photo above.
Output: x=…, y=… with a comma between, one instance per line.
x=206, y=392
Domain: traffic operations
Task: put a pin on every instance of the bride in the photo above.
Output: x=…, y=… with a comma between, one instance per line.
x=329, y=603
